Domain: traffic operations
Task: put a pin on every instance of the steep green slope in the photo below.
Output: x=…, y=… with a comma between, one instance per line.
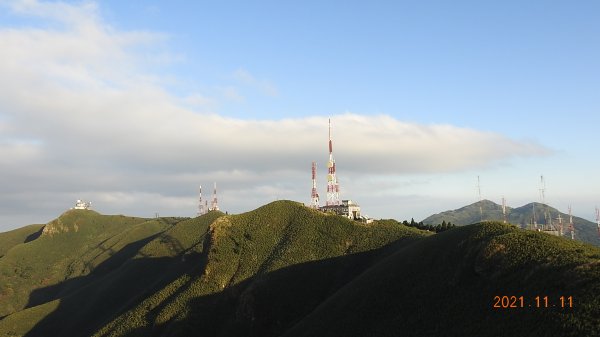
x=246, y=254
x=446, y=285
x=585, y=230
x=17, y=236
x=71, y=246
x=138, y=269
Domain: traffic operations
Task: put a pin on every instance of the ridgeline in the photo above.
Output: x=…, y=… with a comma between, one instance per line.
x=287, y=270
x=585, y=230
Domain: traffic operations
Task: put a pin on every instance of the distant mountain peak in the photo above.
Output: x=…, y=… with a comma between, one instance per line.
x=522, y=216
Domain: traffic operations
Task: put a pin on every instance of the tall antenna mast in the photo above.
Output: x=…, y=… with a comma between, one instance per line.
x=480, y=200
x=215, y=205
x=560, y=225
x=201, y=209
x=333, y=187
x=504, y=209
x=534, y=218
x=598, y=219
x=314, y=195
x=571, y=228
x=543, y=200
x=542, y=190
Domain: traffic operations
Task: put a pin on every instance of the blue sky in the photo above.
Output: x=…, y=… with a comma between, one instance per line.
x=133, y=104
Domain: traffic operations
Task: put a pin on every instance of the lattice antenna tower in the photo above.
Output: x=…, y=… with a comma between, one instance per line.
x=201, y=209
x=598, y=219
x=480, y=200
x=571, y=227
x=314, y=195
x=333, y=187
x=543, y=201
x=214, y=205
x=504, y=209
x=560, y=224
x=534, y=217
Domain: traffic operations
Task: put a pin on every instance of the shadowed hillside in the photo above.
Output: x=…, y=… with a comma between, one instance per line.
x=285, y=269
x=446, y=285
x=245, y=254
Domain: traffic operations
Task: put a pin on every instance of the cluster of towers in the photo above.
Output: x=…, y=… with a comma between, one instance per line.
x=203, y=206
x=541, y=211
x=333, y=204
x=333, y=186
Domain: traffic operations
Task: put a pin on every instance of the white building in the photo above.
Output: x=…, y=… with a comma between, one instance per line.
x=80, y=204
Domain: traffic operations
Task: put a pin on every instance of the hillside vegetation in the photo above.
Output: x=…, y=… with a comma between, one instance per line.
x=446, y=285
x=585, y=230
x=285, y=269
x=18, y=236
x=246, y=285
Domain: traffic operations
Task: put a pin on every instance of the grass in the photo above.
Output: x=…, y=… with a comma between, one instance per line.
x=285, y=269
x=72, y=246
x=243, y=252
x=18, y=236
x=445, y=285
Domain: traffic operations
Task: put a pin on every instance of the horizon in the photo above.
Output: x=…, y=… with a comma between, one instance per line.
x=133, y=105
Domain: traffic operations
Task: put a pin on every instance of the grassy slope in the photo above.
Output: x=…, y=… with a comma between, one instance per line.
x=15, y=237
x=73, y=247
x=445, y=285
x=144, y=258
x=250, y=253
x=585, y=231
x=286, y=268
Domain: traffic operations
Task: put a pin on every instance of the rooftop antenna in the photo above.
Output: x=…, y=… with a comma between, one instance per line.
x=201, y=209
x=571, y=227
x=214, y=205
x=480, y=200
x=314, y=195
x=333, y=187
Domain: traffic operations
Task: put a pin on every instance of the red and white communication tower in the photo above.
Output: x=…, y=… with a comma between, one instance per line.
x=314, y=195
x=201, y=209
x=214, y=205
x=333, y=187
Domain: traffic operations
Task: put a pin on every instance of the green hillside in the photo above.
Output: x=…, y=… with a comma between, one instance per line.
x=72, y=246
x=239, y=289
x=285, y=269
x=445, y=285
x=18, y=236
x=585, y=230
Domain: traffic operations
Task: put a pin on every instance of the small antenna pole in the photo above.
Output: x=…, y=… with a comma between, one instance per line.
x=480, y=200
x=504, y=209
x=598, y=219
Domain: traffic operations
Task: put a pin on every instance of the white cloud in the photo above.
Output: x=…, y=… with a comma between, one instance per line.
x=262, y=85
x=230, y=93
x=82, y=118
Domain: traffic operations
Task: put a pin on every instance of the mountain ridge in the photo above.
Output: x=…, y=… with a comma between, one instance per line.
x=286, y=270
x=522, y=216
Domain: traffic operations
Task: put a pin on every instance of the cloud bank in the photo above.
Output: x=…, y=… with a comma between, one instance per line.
x=83, y=116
